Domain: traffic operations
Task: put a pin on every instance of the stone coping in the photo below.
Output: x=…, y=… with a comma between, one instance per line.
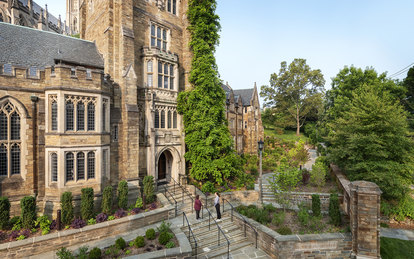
x=65, y=233
x=340, y=176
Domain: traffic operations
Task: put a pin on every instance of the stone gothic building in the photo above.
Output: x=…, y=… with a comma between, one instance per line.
x=244, y=118
x=28, y=13
x=89, y=112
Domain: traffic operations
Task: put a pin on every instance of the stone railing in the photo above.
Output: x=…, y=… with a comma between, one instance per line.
x=329, y=245
x=343, y=184
x=54, y=241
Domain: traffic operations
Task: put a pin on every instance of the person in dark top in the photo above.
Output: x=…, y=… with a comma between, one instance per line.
x=197, y=206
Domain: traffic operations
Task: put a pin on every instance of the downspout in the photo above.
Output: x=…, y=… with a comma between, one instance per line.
x=34, y=100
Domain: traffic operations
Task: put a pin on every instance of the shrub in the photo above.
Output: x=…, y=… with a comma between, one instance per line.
x=83, y=252
x=16, y=223
x=150, y=234
x=139, y=241
x=284, y=230
x=44, y=223
x=138, y=203
x=95, y=253
x=123, y=195
x=262, y=216
x=87, y=203
x=120, y=243
x=316, y=205
x=153, y=206
x=67, y=207
x=28, y=215
x=208, y=187
x=305, y=176
x=78, y=223
x=318, y=174
x=64, y=253
x=102, y=217
x=4, y=212
x=334, y=212
x=120, y=213
x=278, y=218
x=303, y=215
x=149, y=189
x=111, y=218
x=164, y=227
x=250, y=186
x=269, y=208
x=170, y=245
x=92, y=221
x=107, y=199
x=165, y=237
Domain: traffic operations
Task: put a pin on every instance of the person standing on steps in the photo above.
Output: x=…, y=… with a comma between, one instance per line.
x=217, y=205
x=197, y=206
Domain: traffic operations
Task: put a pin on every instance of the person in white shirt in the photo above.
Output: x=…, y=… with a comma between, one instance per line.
x=217, y=205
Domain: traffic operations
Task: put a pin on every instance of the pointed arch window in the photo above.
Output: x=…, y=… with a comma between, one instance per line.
x=91, y=116
x=156, y=120
x=104, y=117
x=69, y=115
x=80, y=162
x=69, y=166
x=175, y=120
x=162, y=119
x=91, y=165
x=54, y=115
x=80, y=116
x=10, y=141
x=169, y=119
x=54, y=167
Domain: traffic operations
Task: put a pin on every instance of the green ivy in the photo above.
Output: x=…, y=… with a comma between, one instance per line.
x=209, y=144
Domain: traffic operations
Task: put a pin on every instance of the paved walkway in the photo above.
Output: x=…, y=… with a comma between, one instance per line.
x=397, y=233
x=312, y=157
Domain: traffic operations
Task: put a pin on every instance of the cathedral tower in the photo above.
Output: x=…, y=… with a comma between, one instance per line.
x=72, y=15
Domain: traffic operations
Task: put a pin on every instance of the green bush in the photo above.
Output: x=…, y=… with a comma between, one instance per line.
x=95, y=253
x=164, y=227
x=64, y=253
x=16, y=223
x=107, y=200
x=28, y=215
x=87, y=203
x=262, y=216
x=269, y=208
x=83, y=252
x=208, y=187
x=92, y=221
x=170, y=245
x=278, y=218
x=316, y=205
x=149, y=189
x=318, y=174
x=123, y=195
x=4, y=212
x=284, y=230
x=334, y=212
x=139, y=203
x=165, y=237
x=150, y=234
x=139, y=241
x=44, y=223
x=120, y=243
x=303, y=215
x=67, y=208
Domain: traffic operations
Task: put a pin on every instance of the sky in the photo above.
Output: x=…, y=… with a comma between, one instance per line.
x=256, y=36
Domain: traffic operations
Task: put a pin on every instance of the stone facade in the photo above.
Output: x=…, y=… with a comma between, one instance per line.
x=28, y=13
x=244, y=118
x=72, y=15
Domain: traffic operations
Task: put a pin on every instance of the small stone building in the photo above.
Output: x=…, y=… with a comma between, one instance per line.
x=29, y=13
x=244, y=118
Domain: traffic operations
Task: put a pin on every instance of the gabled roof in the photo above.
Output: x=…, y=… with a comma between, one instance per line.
x=246, y=95
x=25, y=47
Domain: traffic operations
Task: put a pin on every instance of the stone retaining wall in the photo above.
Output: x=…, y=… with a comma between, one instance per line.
x=297, y=198
x=343, y=184
x=329, y=245
x=54, y=241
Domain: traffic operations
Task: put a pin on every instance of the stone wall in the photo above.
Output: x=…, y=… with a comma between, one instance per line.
x=330, y=245
x=52, y=242
x=343, y=184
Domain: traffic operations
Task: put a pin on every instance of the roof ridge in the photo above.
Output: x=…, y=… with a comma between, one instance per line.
x=41, y=31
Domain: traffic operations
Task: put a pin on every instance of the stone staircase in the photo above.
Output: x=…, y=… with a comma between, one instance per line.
x=207, y=237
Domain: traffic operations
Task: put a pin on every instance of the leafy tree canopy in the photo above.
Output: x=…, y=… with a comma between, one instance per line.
x=408, y=101
x=296, y=91
x=369, y=139
x=210, y=146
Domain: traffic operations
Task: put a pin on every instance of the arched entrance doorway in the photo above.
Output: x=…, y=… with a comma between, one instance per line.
x=164, y=165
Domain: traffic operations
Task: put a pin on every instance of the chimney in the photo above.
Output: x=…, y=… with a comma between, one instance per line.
x=30, y=5
x=46, y=18
x=60, y=23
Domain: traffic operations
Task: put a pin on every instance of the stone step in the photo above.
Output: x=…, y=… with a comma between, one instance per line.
x=205, y=233
x=212, y=240
x=218, y=251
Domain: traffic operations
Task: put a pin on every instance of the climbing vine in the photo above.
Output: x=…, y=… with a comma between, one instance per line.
x=209, y=144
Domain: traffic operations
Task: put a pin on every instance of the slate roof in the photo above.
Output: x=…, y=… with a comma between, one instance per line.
x=245, y=94
x=25, y=47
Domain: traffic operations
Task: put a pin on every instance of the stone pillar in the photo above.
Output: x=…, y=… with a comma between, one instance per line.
x=365, y=219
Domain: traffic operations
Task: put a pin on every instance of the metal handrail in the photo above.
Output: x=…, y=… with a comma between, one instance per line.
x=245, y=221
x=184, y=191
x=218, y=232
x=190, y=231
x=165, y=194
x=205, y=195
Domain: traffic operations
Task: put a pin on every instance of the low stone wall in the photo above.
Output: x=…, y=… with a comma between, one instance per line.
x=52, y=242
x=329, y=245
x=343, y=184
x=242, y=197
x=297, y=198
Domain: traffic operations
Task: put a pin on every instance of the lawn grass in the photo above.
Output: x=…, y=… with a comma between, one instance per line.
x=396, y=249
x=288, y=135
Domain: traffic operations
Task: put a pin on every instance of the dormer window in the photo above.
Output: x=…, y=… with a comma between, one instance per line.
x=7, y=69
x=158, y=37
x=33, y=71
x=88, y=74
x=73, y=71
x=172, y=6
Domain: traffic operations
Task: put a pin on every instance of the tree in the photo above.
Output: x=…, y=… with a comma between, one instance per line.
x=408, y=84
x=209, y=144
x=369, y=140
x=296, y=91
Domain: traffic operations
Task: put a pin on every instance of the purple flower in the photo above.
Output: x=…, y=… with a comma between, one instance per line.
x=14, y=234
x=25, y=232
x=102, y=217
x=120, y=213
x=153, y=206
x=78, y=223
x=135, y=210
